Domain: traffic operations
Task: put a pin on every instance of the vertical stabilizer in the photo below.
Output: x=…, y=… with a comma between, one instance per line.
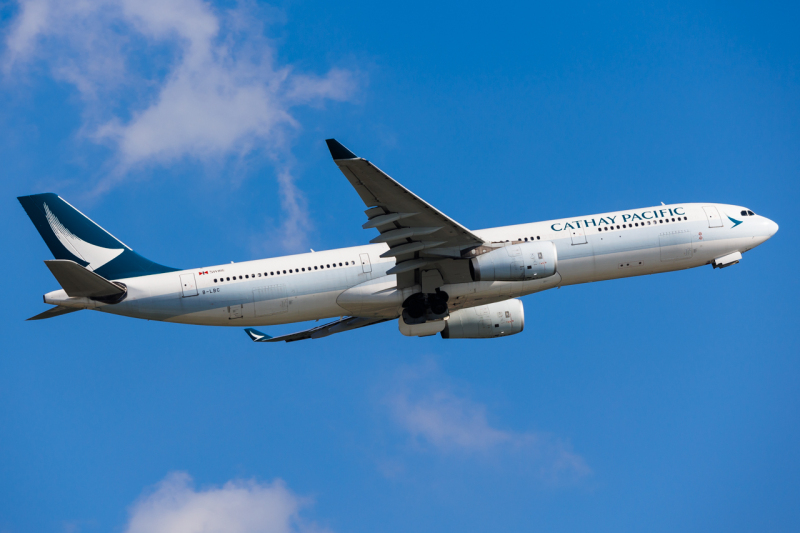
x=73, y=236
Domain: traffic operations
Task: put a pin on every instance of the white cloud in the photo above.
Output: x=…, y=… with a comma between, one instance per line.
x=163, y=82
x=175, y=506
x=447, y=421
x=425, y=405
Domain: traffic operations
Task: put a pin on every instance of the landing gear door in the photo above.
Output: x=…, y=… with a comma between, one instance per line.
x=188, y=285
x=578, y=236
x=366, y=266
x=714, y=220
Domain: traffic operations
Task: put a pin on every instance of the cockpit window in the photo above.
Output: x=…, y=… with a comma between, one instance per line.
x=744, y=213
x=750, y=213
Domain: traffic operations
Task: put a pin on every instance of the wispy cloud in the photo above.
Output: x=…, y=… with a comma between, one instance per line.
x=162, y=82
x=175, y=506
x=437, y=417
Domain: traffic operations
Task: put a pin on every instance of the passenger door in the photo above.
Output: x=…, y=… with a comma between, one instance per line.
x=188, y=285
x=714, y=220
x=578, y=236
x=366, y=266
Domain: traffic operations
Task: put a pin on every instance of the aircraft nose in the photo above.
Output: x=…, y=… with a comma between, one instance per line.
x=770, y=227
x=773, y=228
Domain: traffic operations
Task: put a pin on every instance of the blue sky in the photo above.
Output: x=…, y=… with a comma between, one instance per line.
x=194, y=132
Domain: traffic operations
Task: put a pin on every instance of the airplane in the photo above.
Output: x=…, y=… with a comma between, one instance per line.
x=423, y=269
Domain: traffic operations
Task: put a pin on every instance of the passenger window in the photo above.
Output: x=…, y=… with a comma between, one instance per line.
x=215, y=280
x=229, y=279
x=340, y=264
x=240, y=277
x=537, y=238
x=246, y=276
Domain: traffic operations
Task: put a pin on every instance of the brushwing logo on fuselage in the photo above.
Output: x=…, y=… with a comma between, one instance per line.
x=735, y=222
x=96, y=256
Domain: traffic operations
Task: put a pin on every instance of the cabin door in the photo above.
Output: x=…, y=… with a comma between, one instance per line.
x=188, y=285
x=366, y=266
x=578, y=236
x=714, y=220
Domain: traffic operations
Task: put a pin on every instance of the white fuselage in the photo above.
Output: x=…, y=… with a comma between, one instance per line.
x=313, y=286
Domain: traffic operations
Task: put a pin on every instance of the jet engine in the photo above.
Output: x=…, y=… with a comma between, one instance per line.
x=486, y=321
x=518, y=262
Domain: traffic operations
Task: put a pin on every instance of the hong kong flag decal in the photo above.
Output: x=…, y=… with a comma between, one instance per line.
x=201, y=273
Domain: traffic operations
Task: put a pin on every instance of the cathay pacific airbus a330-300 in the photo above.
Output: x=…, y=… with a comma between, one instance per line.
x=423, y=269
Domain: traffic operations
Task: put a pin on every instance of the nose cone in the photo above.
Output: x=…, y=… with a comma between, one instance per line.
x=771, y=227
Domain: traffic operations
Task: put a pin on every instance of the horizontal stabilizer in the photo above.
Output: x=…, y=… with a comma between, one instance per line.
x=55, y=311
x=344, y=324
x=78, y=282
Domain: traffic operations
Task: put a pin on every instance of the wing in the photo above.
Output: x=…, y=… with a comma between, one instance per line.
x=344, y=324
x=419, y=235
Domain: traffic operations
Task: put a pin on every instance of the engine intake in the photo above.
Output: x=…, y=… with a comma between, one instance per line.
x=518, y=262
x=486, y=321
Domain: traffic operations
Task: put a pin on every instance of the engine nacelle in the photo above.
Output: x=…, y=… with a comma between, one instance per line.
x=486, y=321
x=518, y=262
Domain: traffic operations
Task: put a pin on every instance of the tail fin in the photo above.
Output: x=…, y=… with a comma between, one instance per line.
x=73, y=236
